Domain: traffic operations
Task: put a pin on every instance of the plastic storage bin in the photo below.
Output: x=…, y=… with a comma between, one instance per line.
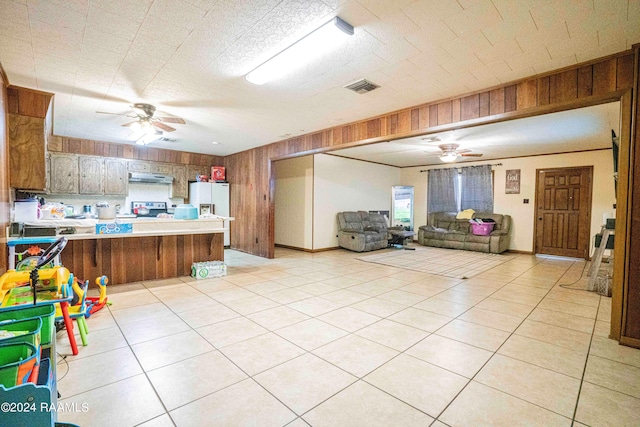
x=46, y=312
x=16, y=363
x=17, y=331
x=482, y=229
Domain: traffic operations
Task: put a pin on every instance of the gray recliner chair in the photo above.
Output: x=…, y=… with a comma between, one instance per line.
x=362, y=231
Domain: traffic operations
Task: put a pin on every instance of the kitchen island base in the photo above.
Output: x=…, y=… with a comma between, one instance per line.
x=136, y=259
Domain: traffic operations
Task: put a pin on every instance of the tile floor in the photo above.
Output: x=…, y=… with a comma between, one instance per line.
x=324, y=339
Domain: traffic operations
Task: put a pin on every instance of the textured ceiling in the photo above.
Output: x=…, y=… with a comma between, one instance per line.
x=189, y=58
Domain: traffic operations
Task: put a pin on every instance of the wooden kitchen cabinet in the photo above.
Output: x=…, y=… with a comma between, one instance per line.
x=90, y=175
x=139, y=166
x=193, y=170
x=63, y=171
x=115, y=177
x=29, y=125
x=180, y=187
x=27, y=141
x=161, y=168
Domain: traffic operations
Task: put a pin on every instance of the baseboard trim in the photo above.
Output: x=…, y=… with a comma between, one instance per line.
x=514, y=251
x=295, y=248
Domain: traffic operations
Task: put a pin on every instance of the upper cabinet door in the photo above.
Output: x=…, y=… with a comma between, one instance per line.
x=115, y=176
x=27, y=140
x=63, y=171
x=90, y=176
x=161, y=168
x=180, y=186
x=193, y=170
x=139, y=166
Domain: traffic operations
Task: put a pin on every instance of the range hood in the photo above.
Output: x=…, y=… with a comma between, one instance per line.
x=150, y=178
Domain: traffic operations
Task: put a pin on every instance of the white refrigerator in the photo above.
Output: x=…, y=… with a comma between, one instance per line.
x=211, y=197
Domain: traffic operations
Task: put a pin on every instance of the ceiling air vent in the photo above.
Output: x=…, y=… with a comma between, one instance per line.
x=362, y=86
x=165, y=139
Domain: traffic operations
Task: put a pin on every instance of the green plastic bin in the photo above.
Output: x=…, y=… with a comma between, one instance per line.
x=25, y=330
x=17, y=361
x=46, y=312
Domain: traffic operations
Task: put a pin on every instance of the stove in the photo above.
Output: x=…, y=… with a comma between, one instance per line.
x=155, y=208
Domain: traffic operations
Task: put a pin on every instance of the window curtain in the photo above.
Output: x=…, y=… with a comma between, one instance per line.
x=442, y=190
x=477, y=189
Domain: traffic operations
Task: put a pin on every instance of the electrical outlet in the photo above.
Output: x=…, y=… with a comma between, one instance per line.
x=525, y=201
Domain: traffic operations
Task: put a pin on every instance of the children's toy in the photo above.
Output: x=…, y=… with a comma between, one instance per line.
x=28, y=241
x=49, y=286
x=78, y=307
x=27, y=263
x=97, y=303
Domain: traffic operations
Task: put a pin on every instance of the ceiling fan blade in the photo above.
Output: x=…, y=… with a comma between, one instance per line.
x=470, y=154
x=113, y=114
x=130, y=123
x=463, y=151
x=171, y=120
x=162, y=126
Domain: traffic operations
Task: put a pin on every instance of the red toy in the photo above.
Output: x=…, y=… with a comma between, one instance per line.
x=96, y=303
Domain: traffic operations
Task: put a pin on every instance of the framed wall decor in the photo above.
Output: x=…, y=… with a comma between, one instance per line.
x=512, y=185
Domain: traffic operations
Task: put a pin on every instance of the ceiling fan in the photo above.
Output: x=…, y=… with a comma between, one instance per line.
x=146, y=121
x=450, y=153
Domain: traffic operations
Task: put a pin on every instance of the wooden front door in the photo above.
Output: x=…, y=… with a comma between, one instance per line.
x=563, y=211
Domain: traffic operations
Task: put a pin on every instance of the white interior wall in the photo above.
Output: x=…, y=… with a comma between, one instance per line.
x=523, y=215
x=413, y=176
x=294, y=202
x=347, y=185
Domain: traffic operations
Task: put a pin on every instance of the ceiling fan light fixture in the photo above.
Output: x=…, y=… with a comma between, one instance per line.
x=314, y=44
x=449, y=157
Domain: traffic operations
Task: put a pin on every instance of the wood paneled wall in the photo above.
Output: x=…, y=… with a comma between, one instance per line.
x=625, y=304
x=28, y=102
x=249, y=171
x=125, y=151
x=134, y=259
x=4, y=169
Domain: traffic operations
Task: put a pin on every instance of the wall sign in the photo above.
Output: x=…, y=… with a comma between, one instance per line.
x=512, y=185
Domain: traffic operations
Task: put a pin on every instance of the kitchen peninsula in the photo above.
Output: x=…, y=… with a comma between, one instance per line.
x=156, y=248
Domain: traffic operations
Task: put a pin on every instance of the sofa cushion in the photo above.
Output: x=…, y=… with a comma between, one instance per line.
x=461, y=225
x=435, y=233
x=472, y=238
x=456, y=236
x=374, y=236
x=350, y=221
x=442, y=219
x=375, y=222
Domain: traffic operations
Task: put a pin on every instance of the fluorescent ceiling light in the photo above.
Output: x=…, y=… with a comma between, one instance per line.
x=449, y=157
x=147, y=138
x=310, y=46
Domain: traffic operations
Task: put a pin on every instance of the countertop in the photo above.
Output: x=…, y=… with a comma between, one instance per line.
x=144, y=226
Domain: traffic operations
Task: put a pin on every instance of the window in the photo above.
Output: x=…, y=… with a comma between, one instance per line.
x=453, y=190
